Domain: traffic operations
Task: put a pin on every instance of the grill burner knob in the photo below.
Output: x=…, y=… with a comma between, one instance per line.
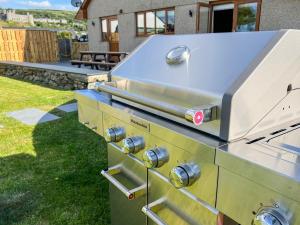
x=133, y=144
x=270, y=216
x=184, y=175
x=114, y=134
x=155, y=158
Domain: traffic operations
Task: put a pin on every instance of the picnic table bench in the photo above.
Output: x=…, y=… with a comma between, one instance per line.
x=106, y=60
x=105, y=65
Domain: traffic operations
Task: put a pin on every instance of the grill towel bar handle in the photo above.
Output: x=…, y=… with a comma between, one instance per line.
x=149, y=211
x=130, y=194
x=207, y=112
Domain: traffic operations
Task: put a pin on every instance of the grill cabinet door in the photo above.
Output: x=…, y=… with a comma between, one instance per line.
x=168, y=205
x=127, y=188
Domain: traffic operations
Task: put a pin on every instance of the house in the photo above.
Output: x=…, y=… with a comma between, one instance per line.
x=49, y=20
x=11, y=15
x=124, y=24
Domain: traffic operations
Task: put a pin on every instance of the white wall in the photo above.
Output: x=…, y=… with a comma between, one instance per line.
x=95, y=39
x=127, y=24
x=99, y=8
x=276, y=14
x=279, y=14
x=184, y=24
x=127, y=31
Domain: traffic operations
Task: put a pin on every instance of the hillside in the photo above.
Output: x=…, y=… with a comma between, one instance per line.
x=77, y=25
x=53, y=14
x=12, y=24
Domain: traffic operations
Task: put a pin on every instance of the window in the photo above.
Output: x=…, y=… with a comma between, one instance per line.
x=109, y=27
x=150, y=23
x=104, y=29
x=140, y=24
x=171, y=21
x=203, y=21
x=246, y=18
x=160, y=21
x=228, y=16
x=114, y=26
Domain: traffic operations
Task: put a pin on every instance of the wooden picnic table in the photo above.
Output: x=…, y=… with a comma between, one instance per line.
x=106, y=56
x=105, y=65
x=106, y=60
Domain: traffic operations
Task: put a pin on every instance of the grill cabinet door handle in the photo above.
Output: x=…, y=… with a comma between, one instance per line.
x=130, y=194
x=149, y=211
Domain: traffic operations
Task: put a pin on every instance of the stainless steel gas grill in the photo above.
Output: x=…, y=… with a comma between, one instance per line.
x=202, y=130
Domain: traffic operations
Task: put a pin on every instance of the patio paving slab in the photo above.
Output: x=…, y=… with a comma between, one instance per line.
x=32, y=116
x=68, y=108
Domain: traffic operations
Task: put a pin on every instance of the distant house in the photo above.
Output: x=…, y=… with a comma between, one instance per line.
x=11, y=15
x=48, y=20
x=124, y=24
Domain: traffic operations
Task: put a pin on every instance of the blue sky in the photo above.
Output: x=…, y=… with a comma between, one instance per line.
x=37, y=4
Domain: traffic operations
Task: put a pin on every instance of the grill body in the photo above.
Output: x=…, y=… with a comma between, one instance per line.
x=202, y=130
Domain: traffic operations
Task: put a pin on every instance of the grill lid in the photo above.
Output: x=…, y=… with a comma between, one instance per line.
x=223, y=84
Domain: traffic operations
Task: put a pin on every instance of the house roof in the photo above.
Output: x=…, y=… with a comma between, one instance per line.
x=82, y=12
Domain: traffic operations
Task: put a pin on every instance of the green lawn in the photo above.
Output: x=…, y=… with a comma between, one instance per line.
x=49, y=174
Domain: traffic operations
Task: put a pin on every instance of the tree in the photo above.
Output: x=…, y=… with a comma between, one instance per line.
x=64, y=35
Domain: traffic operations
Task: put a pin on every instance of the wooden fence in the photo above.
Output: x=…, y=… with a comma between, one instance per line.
x=23, y=45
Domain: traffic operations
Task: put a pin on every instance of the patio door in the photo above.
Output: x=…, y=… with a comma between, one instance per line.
x=229, y=16
x=110, y=32
x=222, y=18
x=113, y=37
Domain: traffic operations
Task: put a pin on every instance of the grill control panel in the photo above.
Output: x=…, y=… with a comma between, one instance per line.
x=174, y=157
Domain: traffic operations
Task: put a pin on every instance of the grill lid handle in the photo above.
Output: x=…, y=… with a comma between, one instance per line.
x=178, y=55
x=196, y=115
x=201, y=114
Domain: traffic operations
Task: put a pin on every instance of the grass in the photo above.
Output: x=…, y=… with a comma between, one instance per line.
x=49, y=173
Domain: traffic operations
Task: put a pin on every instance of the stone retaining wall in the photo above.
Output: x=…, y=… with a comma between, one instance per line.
x=61, y=77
